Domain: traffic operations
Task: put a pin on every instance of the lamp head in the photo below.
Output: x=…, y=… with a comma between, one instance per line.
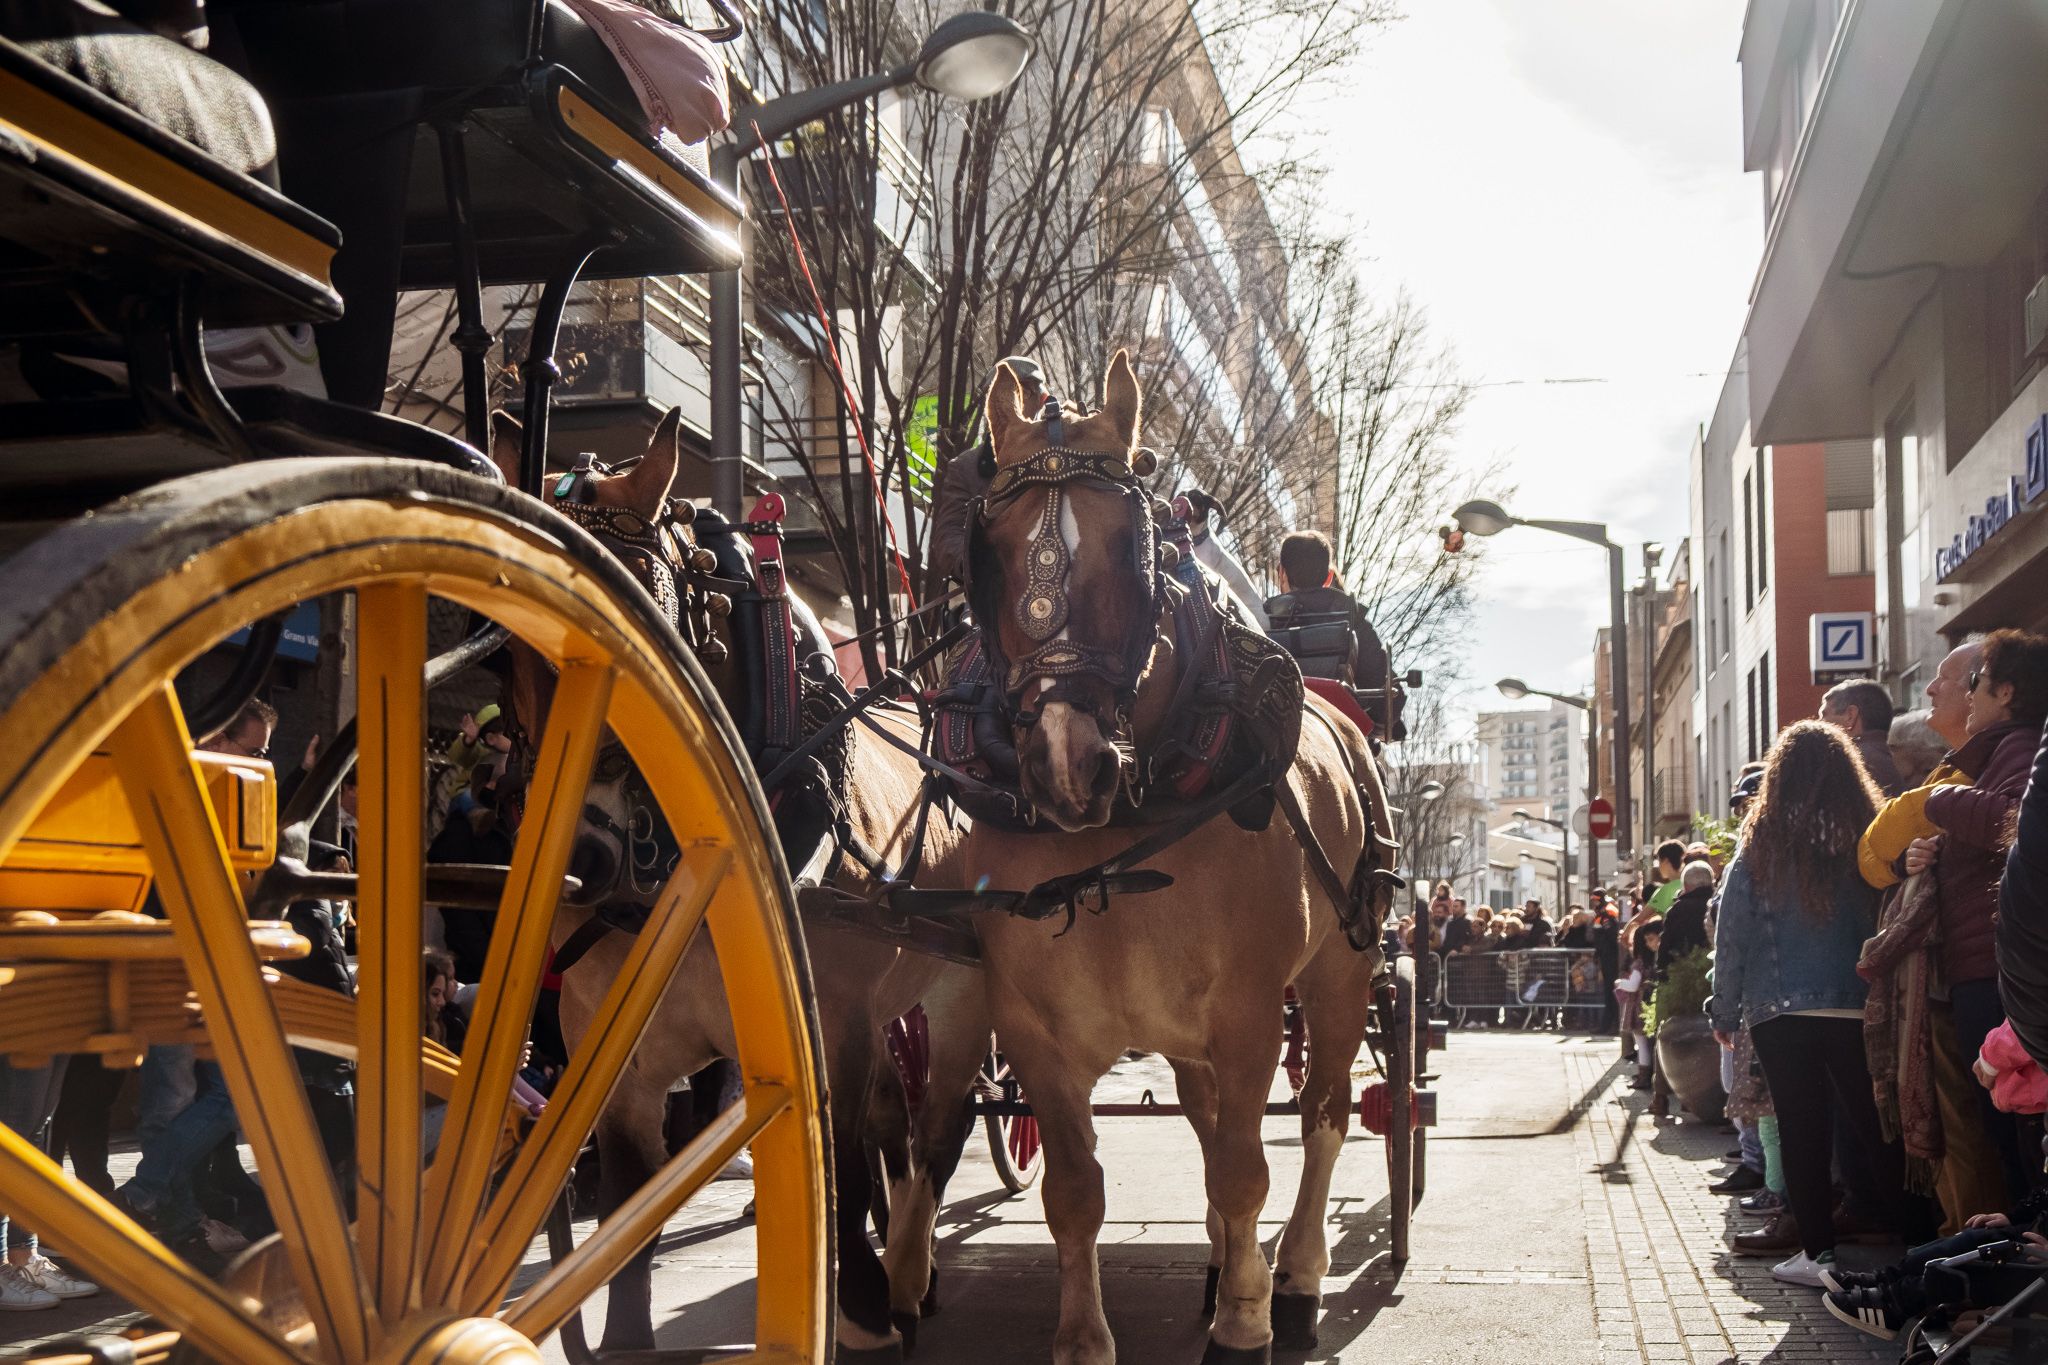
x=1430, y=790
x=1514, y=689
x=1481, y=517
x=973, y=55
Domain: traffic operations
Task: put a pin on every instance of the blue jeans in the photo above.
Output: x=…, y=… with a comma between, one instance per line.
x=167, y=1087
x=162, y=1185
x=28, y=1096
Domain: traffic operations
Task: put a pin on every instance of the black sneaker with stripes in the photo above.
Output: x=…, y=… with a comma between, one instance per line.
x=1873, y=1310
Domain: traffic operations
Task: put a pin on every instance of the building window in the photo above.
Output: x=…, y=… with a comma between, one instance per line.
x=1849, y=541
x=1749, y=683
x=1763, y=698
x=1763, y=524
x=1748, y=546
x=1722, y=619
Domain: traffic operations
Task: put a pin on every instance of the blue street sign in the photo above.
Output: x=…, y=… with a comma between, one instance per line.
x=1841, y=642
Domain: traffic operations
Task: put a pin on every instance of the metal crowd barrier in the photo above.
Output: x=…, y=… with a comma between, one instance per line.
x=1534, y=978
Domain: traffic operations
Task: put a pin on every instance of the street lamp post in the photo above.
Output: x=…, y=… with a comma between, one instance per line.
x=1483, y=518
x=968, y=57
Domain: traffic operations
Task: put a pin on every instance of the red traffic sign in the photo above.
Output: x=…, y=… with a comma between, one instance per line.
x=1599, y=818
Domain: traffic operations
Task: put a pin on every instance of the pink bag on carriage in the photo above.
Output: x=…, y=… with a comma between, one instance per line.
x=675, y=70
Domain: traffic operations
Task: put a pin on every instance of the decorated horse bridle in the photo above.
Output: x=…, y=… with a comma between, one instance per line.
x=1042, y=612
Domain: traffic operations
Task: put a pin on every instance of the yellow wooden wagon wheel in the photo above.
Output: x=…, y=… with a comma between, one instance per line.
x=100, y=615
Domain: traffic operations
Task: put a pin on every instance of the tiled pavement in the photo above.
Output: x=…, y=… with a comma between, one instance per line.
x=1665, y=1286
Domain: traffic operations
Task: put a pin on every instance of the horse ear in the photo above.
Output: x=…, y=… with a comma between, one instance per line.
x=1005, y=409
x=508, y=440
x=644, y=487
x=1120, y=400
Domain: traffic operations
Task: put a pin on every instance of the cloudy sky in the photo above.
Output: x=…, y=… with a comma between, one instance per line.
x=1559, y=183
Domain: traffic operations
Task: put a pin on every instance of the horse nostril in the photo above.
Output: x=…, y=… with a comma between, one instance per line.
x=1107, y=772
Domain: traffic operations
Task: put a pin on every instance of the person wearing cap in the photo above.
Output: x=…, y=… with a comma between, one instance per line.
x=966, y=476
x=1211, y=552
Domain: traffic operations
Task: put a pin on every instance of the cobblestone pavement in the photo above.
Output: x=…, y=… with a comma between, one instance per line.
x=1561, y=1225
x=1665, y=1286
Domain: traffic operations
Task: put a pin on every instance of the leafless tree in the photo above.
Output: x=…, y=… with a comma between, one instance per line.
x=1051, y=218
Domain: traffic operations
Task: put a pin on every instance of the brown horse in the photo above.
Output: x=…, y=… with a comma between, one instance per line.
x=860, y=984
x=1195, y=972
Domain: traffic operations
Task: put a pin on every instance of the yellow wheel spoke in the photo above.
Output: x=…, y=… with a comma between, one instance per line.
x=127, y=1259
x=638, y=1221
x=391, y=782
x=152, y=754
x=512, y=970
x=549, y=1152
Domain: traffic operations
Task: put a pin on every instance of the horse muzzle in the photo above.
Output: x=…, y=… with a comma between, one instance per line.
x=1068, y=768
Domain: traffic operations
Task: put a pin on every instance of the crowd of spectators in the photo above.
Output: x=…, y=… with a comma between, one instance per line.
x=1878, y=943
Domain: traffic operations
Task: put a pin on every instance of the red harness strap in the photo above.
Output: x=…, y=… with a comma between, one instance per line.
x=1333, y=691
x=780, y=730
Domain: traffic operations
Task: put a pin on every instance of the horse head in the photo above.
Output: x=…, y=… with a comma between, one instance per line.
x=1065, y=586
x=619, y=852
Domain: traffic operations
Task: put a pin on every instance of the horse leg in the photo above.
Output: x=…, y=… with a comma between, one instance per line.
x=1059, y=1081
x=956, y=1011
x=1244, y=1049
x=853, y=1047
x=630, y=1150
x=1195, y=1083
x=1337, y=1009
x=887, y=1138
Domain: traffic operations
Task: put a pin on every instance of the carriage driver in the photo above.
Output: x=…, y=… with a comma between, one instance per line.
x=964, y=479
x=1308, y=588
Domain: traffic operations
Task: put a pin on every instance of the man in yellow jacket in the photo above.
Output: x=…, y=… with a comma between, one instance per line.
x=1881, y=853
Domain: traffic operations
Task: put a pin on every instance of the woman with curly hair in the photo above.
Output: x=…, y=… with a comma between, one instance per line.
x=1794, y=914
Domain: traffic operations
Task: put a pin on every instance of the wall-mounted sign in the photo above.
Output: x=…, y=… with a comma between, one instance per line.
x=2020, y=492
x=1840, y=645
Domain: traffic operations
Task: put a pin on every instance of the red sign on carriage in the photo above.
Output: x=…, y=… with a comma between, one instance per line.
x=1599, y=817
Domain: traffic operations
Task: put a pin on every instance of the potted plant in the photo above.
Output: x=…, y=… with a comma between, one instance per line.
x=1676, y=1016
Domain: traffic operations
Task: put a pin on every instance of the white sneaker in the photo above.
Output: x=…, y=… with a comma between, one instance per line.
x=19, y=1294
x=1805, y=1270
x=221, y=1238
x=46, y=1275
x=741, y=1167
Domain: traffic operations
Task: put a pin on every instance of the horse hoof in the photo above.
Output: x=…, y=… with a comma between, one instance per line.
x=1209, y=1292
x=906, y=1325
x=891, y=1354
x=1219, y=1354
x=1294, y=1321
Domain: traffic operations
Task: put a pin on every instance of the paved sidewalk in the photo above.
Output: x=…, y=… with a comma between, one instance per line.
x=1665, y=1286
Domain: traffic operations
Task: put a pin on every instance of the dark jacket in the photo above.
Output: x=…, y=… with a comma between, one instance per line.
x=959, y=485
x=1685, y=926
x=2023, y=917
x=1457, y=932
x=1973, y=821
x=1773, y=956
x=1541, y=933
x=1877, y=760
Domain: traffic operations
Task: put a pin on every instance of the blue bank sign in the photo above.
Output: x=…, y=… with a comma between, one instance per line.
x=2020, y=492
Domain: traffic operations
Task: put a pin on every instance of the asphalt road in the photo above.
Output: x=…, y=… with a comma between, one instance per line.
x=1498, y=1270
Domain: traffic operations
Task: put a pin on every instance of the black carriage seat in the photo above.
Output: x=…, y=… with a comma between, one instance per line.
x=1323, y=643
x=387, y=108
x=129, y=193
x=128, y=160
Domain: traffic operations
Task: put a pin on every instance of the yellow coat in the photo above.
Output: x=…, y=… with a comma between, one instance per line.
x=1899, y=822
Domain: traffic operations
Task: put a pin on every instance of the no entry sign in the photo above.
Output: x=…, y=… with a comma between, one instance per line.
x=1599, y=818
